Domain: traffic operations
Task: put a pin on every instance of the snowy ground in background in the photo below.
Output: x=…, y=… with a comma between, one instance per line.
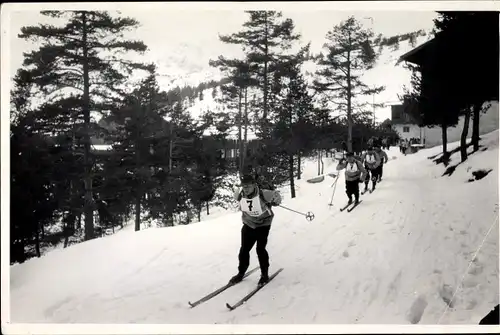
x=396, y=259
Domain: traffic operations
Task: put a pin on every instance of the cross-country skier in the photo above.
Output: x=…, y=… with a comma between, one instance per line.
x=372, y=161
x=354, y=174
x=257, y=216
x=383, y=160
x=385, y=143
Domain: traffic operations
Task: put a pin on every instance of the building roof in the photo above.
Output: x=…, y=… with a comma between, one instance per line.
x=405, y=114
x=417, y=55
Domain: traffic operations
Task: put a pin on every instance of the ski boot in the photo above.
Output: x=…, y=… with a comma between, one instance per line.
x=236, y=279
x=264, y=278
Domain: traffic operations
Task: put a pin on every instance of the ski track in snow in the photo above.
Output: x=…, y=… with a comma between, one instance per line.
x=395, y=259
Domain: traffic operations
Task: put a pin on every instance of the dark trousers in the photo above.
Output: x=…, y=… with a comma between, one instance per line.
x=249, y=237
x=373, y=175
x=352, y=188
x=380, y=171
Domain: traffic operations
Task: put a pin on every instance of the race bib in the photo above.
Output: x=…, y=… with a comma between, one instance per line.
x=370, y=159
x=251, y=206
x=352, y=167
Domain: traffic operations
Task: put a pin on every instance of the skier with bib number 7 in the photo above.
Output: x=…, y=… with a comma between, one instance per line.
x=257, y=216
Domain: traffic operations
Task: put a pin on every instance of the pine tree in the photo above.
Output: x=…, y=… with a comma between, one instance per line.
x=349, y=54
x=235, y=98
x=473, y=85
x=265, y=39
x=71, y=58
x=42, y=169
x=141, y=130
x=293, y=131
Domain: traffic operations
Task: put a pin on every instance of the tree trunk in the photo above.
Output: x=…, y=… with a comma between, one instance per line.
x=245, y=139
x=208, y=208
x=170, y=148
x=319, y=165
x=240, y=144
x=69, y=226
x=299, y=172
x=290, y=170
x=475, y=126
x=37, y=241
x=463, y=138
x=137, y=212
x=72, y=224
x=80, y=221
x=66, y=234
x=198, y=210
x=445, y=142
x=138, y=171
x=88, y=208
x=266, y=57
x=349, y=93
x=322, y=163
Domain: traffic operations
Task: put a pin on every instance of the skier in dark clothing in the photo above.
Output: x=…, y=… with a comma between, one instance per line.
x=383, y=160
x=257, y=216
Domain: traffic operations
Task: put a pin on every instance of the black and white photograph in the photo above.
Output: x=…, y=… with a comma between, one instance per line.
x=229, y=165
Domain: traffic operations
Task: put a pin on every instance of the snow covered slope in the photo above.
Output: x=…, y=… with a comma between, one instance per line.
x=396, y=259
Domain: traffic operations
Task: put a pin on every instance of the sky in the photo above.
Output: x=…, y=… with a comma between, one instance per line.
x=182, y=42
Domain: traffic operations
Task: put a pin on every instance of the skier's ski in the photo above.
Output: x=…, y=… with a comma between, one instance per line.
x=355, y=205
x=343, y=208
x=249, y=295
x=218, y=291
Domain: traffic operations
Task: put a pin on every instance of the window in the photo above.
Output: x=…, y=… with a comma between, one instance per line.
x=406, y=129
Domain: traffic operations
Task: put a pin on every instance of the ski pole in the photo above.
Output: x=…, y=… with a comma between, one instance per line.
x=309, y=215
x=331, y=200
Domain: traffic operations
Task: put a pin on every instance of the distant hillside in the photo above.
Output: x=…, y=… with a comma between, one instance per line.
x=194, y=93
x=199, y=92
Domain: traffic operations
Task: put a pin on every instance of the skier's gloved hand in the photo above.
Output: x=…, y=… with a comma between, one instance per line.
x=276, y=201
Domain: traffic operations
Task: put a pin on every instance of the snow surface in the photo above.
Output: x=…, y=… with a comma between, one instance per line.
x=395, y=259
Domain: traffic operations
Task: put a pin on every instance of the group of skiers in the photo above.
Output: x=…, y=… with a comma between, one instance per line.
x=370, y=166
x=257, y=196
